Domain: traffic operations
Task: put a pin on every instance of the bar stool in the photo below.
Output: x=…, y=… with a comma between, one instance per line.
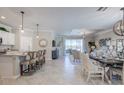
x=33, y=60
x=40, y=57
x=44, y=53
x=28, y=65
x=24, y=64
x=36, y=58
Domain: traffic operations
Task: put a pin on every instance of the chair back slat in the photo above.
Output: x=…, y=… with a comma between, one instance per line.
x=86, y=62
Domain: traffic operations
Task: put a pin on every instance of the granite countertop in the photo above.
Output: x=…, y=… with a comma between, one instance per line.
x=13, y=53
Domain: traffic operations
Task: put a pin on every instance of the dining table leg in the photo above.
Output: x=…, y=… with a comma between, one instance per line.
x=110, y=73
x=106, y=75
x=123, y=74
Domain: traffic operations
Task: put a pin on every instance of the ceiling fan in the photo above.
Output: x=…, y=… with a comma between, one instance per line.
x=101, y=8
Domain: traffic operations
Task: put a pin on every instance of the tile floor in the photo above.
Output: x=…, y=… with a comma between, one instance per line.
x=56, y=72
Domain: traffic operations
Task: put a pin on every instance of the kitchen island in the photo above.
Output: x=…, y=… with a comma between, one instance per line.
x=10, y=64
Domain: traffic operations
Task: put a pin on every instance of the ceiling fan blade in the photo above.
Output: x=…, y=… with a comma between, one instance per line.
x=100, y=8
x=105, y=8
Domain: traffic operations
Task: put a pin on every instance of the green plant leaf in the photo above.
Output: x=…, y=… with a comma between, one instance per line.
x=3, y=29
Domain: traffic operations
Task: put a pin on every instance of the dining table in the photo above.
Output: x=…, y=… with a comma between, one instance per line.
x=110, y=63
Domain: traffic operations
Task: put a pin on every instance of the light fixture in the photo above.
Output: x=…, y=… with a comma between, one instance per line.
x=119, y=26
x=22, y=28
x=83, y=35
x=37, y=36
x=3, y=17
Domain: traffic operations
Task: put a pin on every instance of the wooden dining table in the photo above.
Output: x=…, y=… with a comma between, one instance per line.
x=115, y=63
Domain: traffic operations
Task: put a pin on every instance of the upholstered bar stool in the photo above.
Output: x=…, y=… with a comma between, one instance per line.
x=41, y=57
x=28, y=65
x=36, y=59
x=44, y=53
x=25, y=64
x=33, y=60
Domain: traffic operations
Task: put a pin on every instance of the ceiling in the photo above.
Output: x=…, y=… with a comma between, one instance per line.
x=63, y=20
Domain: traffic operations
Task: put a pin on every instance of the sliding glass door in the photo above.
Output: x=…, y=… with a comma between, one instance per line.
x=75, y=44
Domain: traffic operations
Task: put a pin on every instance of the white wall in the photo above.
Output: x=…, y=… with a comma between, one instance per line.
x=21, y=38
x=49, y=36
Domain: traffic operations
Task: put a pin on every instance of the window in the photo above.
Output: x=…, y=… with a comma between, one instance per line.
x=76, y=44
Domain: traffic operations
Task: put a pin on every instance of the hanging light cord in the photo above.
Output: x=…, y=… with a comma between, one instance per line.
x=37, y=29
x=123, y=19
x=22, y=19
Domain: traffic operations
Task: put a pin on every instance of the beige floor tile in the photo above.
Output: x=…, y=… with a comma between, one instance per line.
x=56, y=72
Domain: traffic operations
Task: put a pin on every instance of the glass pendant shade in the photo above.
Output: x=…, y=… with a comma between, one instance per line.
x=37, y=36
x=118, y=28
x=22, y=28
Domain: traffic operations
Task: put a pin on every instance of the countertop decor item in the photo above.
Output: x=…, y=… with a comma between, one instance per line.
x=43, y=43
x=118, y=28
x=3, y=29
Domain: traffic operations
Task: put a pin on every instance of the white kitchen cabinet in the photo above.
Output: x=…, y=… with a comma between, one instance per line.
x=7, y=38
x=11, y=39
x=3, y=36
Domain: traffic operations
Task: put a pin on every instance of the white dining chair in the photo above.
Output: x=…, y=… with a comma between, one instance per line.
x=76, y=55
x=92, y=70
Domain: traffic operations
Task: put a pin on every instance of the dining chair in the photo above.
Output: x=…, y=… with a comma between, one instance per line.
x=123, y=74
x=76, y=55
x=116, y=71
x=82, y=63
x=91, y=69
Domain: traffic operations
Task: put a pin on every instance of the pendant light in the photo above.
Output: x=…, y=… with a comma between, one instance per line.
x=37, y=36
x=22, y=28
x=84, y=35
x=119, y=26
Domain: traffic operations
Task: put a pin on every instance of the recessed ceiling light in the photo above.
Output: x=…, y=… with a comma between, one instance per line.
x=3, y=17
